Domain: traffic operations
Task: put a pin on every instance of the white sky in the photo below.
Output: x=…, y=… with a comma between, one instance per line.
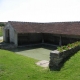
x=40, y=10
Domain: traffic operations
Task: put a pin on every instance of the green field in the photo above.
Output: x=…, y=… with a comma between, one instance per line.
x=18, y=67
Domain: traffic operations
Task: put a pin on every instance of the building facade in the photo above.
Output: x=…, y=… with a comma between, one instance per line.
x=56, y=33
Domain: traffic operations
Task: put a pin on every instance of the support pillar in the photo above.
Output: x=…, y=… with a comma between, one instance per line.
x=16, y=39
x=42, y=39
x=60, y=42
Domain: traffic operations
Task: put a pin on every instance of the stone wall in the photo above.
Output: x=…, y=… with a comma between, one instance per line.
x=9, y=33
x=7, y=46
x=57, y=58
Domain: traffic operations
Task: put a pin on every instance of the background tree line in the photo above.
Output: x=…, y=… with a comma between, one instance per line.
x=2, y=24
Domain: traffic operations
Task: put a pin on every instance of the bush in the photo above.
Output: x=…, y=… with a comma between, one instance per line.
x=2, y=24
x=69, y=46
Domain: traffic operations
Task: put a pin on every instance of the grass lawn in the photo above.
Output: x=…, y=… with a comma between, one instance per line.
x=18, y=67
x=0, y=31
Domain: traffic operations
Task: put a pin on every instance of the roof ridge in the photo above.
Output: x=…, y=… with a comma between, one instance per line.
x=45, y=22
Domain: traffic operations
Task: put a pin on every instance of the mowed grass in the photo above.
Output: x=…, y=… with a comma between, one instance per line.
x=0, y=31
x=17, y=67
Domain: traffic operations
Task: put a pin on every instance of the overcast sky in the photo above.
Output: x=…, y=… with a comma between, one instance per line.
x=40, y=10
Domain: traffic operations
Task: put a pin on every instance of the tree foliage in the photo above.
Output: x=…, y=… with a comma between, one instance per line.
x=2, y=24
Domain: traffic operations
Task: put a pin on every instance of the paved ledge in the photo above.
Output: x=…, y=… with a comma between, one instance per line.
x=43, y=63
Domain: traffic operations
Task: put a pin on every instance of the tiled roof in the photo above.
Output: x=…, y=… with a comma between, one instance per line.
x=68, y=28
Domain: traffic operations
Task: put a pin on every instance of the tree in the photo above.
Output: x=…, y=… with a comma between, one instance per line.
x=2, y=24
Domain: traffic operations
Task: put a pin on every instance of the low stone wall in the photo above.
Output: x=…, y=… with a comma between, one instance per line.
x=57, y=58
x=7, y=46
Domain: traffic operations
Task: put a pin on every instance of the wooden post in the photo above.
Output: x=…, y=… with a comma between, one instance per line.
x=42, y=39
